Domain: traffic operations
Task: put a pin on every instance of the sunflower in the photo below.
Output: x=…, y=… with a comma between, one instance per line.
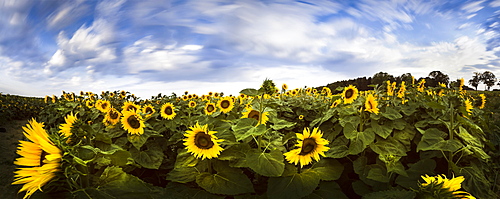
x=225, y=104
x=148, y=110
x=202, y=143
x=336, y=103
x=167, y=111
x=421, y=85
x=461, y=82
x=54, y=99
x=468, y=106
x=65, y=129
x=46, y=99
x=371, y=104
x=89, y=103
x=112, y=117
x=40, y=159
x=441, y=187
x=103, y=105
x=255, y=114
x=130, y=106
x=284, y=87
x=210, y=108
x=311, y=145
x=301, y=117
x=350, y=94
x=483, y=101
x=132, y=122
x=402, y=90
x=390, y=89
x=192, y=104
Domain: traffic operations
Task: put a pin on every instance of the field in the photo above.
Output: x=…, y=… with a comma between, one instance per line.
x=267, y=142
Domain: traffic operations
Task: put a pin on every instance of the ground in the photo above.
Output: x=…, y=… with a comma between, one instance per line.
x=8, y=144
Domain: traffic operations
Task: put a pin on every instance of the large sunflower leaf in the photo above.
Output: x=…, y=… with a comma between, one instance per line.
x=245, y=127
x=382, y=130
x=138, y=140
x=266, y=164
x=185, y=159
x=328, y=169
x=423, y=166
x=390, y=194
x=227, y=181
x=151, y=158
x=327, y=189
x=359, y=140
x=391, y=113
x=280, y=124
x=183, y=174
x=294, y=186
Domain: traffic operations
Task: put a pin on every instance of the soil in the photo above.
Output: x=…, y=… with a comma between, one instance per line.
x=10, y=134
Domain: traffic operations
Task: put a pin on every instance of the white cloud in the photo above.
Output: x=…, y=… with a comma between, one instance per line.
x=495, y=3
x=67, y=13
x=473, y=6
x=146, y=54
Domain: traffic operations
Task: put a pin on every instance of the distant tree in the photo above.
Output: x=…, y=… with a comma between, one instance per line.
x=404, y=77
x=489, y=79
x=381, y=77
x=475, y=80
x=436, y=77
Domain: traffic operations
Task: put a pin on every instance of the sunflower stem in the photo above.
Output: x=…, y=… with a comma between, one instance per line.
x=210, y=169
x=450, y=131
x=299, y=170
x=261, y=110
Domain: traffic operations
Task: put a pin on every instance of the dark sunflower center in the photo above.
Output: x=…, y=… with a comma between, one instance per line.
x=308, y=146
x=113, y=115
x=370, y=104
x=203, y=140
x=168, y=110
x=130, y=107
x=42, y=157
x=133, y=122
x=225, y=104
x=349, y=93
x=149, y=110
x=210, y=108
x=104, y=105
x=254, y=114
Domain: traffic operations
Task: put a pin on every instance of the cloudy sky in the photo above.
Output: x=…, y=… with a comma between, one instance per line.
x=151, y=46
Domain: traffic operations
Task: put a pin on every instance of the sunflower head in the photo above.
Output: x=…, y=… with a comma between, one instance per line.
x=441, y=187
x=148, y=110
x=225, y=104
x=468, y=106
x=65, y=129
x=202, y=143
x=371, y=104
x=284, y=87
x=421, y=86
x=483, y=101
x=89, y=103
x=192, y=104
x=301, y=117
x=268, y=87
x=168, y=111
x=132, y=122
x=350, y=94
x=310, y=146
x=130, y=106
x=255, y=114
x=336, y=103
x=210, y=108
x=112, y=117
x=40, y=159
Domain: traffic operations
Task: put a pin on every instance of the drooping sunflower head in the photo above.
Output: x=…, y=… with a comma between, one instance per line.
x=225, y=104
x=350, y=94
x=284, y=87
x=40, y=159
x=210, y=108
x=310, y=146
x=441, y=187
x=202, y=143
x=371, y=104
x=468, y=106
x=336, y=103
x=390, y=91
x=255, y=114
x=89, y=103
x=461, y=83
x=132, y=122
x=65, y=129
x=402, y=90
x=483, y=101
x=112, y=117
x=130, y=106
x=192, y=104
x=167, y=111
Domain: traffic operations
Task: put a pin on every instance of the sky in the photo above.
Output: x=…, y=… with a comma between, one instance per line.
x=149, y=47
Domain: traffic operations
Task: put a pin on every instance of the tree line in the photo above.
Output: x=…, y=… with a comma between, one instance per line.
x=432, y=80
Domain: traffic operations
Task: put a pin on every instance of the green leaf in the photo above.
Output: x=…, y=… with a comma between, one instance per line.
x=328, y=169
x=236, y=155
x=295, y=186
x=138, y=140
x=391, y=113
x=339, y=148
x=378, y=174
x=119, y=158
x=176, y=190
x=185, y=159
x=245, y=127
x=359, y=141
x=423, y=166
x=280, y=124
x=115, y=183
x=151, y=158
x=430, y=138
x=388, y=147
x=327, y=189
x=382, y=130
x=391, y=194
x=266, y=164
x=227, y=182
x=329, y=114
x=251, y=92
x=183, y=175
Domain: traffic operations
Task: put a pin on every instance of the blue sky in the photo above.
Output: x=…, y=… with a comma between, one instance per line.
x=151, y=46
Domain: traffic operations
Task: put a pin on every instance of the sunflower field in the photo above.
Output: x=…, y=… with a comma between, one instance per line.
x=399, y=140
